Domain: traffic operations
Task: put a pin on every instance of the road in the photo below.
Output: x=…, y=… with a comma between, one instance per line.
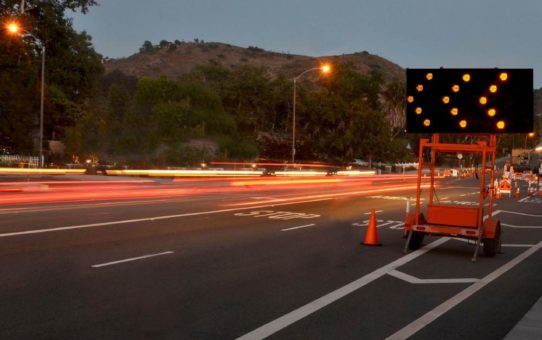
x=248, y=258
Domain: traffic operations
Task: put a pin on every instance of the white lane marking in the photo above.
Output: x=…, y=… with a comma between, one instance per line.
x=130, y=259
x=518, y=245
x=522, y=226
x=277, y=215
x=301, y=226
x=145, y=219
x=432, y=315
x=380, y=225
x=311, y=307
x=518, y=213
x=524, y=199
x=414, y=280
x=81, y=205
x=376, y=211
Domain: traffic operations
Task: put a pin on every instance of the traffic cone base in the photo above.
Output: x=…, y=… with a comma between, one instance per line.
x=371, y=236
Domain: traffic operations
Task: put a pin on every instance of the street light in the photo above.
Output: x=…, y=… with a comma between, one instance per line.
x=325, y=68
x=529, y=135
x=15, y=28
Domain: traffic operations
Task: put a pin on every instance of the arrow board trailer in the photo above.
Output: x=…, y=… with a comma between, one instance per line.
x=480, y=103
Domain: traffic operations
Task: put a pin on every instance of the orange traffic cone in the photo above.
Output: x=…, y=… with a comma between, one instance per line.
x=497, y=193
x=517, y=195
x=371, y=236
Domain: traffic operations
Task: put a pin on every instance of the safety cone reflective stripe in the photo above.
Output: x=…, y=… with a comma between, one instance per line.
x=371, y=236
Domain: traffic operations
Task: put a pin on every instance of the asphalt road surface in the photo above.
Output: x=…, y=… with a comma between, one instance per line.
x=252, y=258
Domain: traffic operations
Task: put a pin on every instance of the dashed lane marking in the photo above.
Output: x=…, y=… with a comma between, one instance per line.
x=130, y=259
x=300, y=227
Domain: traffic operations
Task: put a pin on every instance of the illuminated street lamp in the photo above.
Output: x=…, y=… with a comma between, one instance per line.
x=325, y=68
x=529, y=135
x=14, y=28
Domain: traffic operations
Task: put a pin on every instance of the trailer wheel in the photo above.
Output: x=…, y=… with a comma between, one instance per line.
x=417, y=236
x=416, y=240
x=493, y=245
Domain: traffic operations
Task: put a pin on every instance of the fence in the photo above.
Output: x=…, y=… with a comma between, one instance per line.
x=19, y=161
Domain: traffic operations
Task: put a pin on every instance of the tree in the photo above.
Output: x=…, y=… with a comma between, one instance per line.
x=147, y=47
x=72, y=69
x=394, y=106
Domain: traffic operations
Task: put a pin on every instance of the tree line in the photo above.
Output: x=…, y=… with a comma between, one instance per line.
x=241, y=114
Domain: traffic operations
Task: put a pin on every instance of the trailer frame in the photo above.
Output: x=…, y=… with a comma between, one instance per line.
x=451, y=220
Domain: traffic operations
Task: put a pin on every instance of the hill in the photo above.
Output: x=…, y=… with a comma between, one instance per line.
x=177, y=58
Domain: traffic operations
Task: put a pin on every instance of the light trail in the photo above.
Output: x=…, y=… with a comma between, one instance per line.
x=84, y=191
x=332, y=195
x=279, y=182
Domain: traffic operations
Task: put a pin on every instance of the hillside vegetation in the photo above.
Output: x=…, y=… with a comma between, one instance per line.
x=175, y=59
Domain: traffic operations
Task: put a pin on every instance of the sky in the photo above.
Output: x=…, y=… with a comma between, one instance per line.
x=410, y=33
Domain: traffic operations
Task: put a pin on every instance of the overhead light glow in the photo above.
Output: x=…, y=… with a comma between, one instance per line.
x=13, y=27
x=445, y=99
x=503, y=76
x=410, y=99
x=419, y=88
x=491, y=112
x=493, y=88
x=500, y=124
x=454, y=111
x=418, y=110
x=466, y=77
x=483, y=100
x=455, y=88
x=429, y=76
x=463, y=123
x=426, y=122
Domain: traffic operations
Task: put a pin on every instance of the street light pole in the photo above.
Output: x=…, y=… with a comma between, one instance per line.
x=293, y=125
x=42, y=95
x=324, y=69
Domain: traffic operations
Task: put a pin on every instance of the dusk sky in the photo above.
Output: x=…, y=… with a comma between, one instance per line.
x=411, y=33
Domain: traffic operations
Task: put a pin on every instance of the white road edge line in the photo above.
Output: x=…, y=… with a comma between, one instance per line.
x=432, y=315
x=311, y=307
x=146, y=219
x=301, y=226
x=130, y=259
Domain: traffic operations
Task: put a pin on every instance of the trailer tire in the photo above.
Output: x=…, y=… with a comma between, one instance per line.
x=417, y=236
x=416, y=240
x=493, y=245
